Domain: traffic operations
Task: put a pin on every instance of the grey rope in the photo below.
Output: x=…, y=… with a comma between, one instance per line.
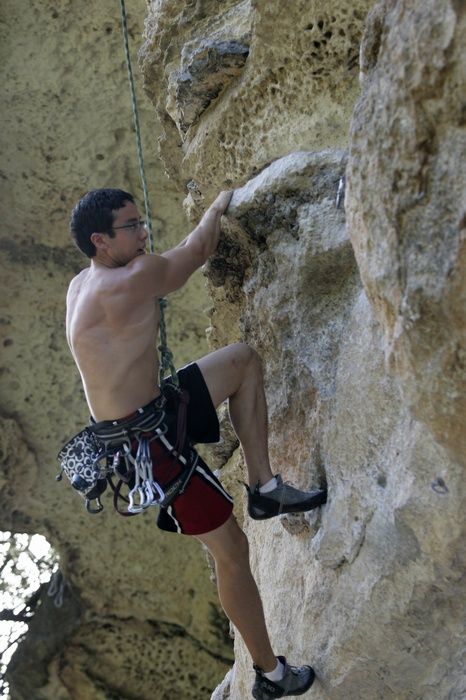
x=166, y=357
x=137, y=129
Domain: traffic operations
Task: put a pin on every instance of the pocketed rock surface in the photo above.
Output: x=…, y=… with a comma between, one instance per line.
x=355, y=302
x=357, y=311
x=139, y=611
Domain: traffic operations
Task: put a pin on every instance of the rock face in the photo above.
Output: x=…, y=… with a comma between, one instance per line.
x=357, y=308
x=296, y=87
x=409, y=233
x=357, y=311
x=66, y=128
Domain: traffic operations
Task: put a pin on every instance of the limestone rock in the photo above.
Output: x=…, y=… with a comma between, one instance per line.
x=362, y=569
x=358, y=313
x=67, y=128
x=222, y=691
x=409, y=232
x=360, y=322
x=295, y=90
x=49, y=630
x=203, y=75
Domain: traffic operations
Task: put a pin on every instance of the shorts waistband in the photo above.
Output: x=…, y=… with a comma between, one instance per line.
x=157, y=403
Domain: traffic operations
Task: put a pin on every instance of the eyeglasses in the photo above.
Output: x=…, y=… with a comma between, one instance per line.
x=137, y=226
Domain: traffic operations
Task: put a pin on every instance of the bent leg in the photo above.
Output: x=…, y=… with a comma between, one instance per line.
x=235, y=373
x=238, y=591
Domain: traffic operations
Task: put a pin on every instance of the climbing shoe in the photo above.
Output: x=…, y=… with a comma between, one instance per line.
x=283, y=499
x=296, y=680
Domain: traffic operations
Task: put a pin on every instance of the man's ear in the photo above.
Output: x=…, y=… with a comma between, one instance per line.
x=99, y=240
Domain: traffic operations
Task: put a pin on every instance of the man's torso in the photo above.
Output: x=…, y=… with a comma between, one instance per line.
x=113, y=341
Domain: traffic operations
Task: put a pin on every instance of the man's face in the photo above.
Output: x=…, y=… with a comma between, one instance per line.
x=130, y=237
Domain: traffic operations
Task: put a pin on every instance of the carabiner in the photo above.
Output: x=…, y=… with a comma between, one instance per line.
x=97, y=509
x=136, y=507
x=160, y=492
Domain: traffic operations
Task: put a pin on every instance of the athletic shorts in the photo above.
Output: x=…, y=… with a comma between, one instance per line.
x=204, y=505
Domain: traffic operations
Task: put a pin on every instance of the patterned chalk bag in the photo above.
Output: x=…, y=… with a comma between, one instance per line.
x=84, y=461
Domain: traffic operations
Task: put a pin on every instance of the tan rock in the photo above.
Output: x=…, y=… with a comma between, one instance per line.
x=408, y=137
x=296, y=89
x=360, y=323
x=365, y=568
x=67, y=128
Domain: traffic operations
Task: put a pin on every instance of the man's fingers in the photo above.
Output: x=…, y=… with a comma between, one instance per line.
x=222, y=201
x=226, y=198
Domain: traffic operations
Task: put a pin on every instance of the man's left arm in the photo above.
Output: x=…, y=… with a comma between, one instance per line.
x=203, y=240
x=158, y=275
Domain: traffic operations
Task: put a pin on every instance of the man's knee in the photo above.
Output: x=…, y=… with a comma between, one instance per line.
x=246, y=358
x=236, y=554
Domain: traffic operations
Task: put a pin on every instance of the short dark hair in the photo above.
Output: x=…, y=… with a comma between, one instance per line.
x=94, y=214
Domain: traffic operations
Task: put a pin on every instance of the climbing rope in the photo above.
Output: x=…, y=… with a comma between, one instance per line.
x=166, y=357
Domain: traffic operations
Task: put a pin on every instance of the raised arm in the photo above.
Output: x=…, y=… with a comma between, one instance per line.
x=204, y=238
x=161, y=274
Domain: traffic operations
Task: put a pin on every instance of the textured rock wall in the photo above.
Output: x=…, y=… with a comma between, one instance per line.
x=256, y=81
x=358, y=311
x=66, y=128
x=409, y=239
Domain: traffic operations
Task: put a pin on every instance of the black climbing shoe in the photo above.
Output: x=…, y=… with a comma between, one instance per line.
x=283, y=499
x=296, y=681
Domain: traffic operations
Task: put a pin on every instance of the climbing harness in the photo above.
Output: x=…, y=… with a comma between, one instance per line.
x=129, y=449
x=166, y=357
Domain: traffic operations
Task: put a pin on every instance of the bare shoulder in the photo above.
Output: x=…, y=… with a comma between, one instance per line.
x=144, y=275
x=79, y=278
x=76, y=283
x=142, y=263
x=157, y=275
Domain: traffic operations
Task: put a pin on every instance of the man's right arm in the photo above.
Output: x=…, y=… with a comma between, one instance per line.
x=158, y=275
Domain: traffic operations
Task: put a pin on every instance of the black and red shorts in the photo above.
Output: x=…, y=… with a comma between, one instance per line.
x=204, y=505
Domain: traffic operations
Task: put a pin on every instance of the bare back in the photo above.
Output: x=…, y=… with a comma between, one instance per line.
x=112, y=336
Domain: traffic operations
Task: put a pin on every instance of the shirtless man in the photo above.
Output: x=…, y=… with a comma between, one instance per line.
x=112, y=324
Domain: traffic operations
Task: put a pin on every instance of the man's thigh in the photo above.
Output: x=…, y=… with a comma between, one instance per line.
x=226, y=542
x=224, y=370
